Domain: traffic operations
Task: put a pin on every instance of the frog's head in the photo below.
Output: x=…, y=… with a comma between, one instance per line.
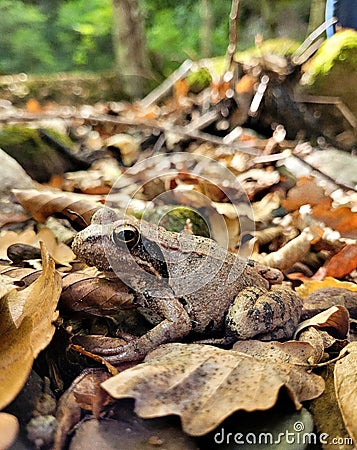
x=121, y=243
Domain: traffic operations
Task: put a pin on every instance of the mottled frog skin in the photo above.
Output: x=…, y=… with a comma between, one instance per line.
x=185, y=283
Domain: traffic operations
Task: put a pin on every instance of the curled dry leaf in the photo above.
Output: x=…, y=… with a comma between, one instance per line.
x=26, y=327
x=314, y=338
x=291, y=253
x=42, y=204
x=85, y=294
x=346, y=388
x=204, y=385
x=341, y=264
x=335, y=320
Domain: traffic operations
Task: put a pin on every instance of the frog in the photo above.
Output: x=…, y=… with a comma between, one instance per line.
x=186, y=285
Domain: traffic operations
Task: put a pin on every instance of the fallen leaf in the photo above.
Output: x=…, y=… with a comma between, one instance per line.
x=263, y=209
x=9, y=427
x=61, y=253
x=305, y=192
x=314, y=338
x=329, y=282
x=86, y=294
x=10, y=237
x=341, y=264
x=346, y=388
x=86, y=391
x=290, y=253
x=327, y=415
x=335, y=320
x=204, y=385
x=78, y=208
x=324, y=298
x=26, y=327
x=341, y=219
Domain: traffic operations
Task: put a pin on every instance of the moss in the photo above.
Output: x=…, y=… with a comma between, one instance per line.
x=39, y=159
x=340, y=48
x=174, y=218
x=278, y=46
x=199, y=80
x=333, y=70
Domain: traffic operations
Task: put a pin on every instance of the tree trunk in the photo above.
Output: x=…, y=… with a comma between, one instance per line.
x=131, y=57
x=206, y=28
x=317, y=14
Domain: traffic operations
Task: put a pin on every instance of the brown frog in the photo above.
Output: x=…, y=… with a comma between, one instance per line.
x=185, y=283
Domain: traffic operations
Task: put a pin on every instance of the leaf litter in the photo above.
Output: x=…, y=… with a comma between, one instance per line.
x=303, y=225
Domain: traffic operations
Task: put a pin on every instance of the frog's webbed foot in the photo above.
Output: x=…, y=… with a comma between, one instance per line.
x=176, y=325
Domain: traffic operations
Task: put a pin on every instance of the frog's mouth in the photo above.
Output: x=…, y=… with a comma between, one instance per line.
x=88, y=245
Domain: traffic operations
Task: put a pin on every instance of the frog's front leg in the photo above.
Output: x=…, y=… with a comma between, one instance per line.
x=176, y=324
x=268, y=315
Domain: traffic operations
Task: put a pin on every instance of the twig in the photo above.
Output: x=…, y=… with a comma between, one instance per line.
x=162, y=90
x=233, y=34
x=299, y=54
x=202, y=121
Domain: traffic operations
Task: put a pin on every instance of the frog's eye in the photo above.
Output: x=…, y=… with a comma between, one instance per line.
x=125, y=234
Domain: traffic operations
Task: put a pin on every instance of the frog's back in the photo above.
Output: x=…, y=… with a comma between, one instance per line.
x=208, y=283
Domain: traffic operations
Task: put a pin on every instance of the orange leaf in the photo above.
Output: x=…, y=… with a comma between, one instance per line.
x=310, y=286
x=341, y=219
x=340, y=264
x=306, y=192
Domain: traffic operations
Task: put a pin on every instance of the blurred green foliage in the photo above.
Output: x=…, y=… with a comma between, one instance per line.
x=46, y=36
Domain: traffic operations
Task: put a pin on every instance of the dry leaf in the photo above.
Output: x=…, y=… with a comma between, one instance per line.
x=310, y=286
x=61, y=253
x=346, y=388
x=85, y=294
x=204, y=385
x=341, y=264
x=335, y=320
x=42, y=204
x=314, y=338
x=10, y=237
x=341, y=219
x=86, y=392
x=26, y=327
x=9, y=427
x=263, y=209
x=305, y=192
x=288, y=255
x=327, y=415
x=324, y=298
